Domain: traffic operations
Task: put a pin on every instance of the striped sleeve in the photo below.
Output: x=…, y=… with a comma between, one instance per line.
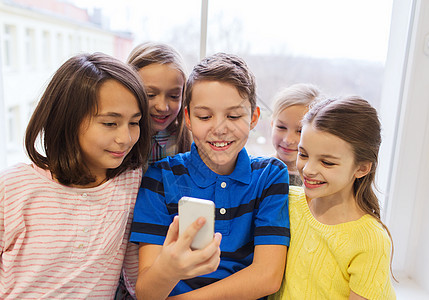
x=272, y=217
x=151, y=214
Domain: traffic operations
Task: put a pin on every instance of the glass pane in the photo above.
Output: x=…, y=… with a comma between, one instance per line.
x=339, y=46
x=49, y=32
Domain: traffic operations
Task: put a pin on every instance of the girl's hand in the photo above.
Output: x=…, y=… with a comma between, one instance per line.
x=178, y=259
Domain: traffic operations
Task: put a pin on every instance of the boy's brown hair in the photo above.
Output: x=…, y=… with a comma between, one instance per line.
x=227, y=68
x=71, y=96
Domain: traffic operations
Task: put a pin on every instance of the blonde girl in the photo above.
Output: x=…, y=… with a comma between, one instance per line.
x=290, y=105
x=339, y=247
x=162, y=70
x=65, y=218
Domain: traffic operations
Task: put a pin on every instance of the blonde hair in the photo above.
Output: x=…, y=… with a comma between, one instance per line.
x=158, y=53
x=297, y=94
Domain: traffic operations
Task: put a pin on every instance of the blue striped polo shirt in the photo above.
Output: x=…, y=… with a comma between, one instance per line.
x=251, y=207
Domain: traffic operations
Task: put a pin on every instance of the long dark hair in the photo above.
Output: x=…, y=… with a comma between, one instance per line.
x=70, y=96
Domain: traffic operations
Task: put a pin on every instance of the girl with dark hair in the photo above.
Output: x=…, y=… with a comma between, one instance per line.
x=65, y=218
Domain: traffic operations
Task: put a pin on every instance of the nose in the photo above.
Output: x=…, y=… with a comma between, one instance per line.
x=220, y=126
x=161, y=104
x=291, y=138
x=309, y=169
x=123, y=135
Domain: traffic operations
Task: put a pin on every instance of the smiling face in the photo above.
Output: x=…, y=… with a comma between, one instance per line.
x=164, y=88
x=107, y=137
x=286, y=132
x=327, y=165
x=220, y=121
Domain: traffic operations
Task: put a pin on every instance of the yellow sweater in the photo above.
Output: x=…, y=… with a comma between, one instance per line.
x=327, y=261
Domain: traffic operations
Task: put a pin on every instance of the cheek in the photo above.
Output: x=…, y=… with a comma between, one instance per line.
x=135, y=134
x=175, y=107
x=299, y=163
x=277, y=136
x=151, y=103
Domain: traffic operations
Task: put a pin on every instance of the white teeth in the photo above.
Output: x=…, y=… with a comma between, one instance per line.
x=314, y=182
x=222, y=144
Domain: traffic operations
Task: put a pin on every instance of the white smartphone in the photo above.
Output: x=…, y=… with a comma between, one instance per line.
x=191, y=209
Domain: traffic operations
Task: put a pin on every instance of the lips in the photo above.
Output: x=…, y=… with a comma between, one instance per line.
x=313, y=183
x=223, y=145
x=118, y=154
x=288, y=150
x=160, y=118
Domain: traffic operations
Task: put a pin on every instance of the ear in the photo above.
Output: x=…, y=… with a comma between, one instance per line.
x=187, y=119
x=255, y=117
x=363, y=169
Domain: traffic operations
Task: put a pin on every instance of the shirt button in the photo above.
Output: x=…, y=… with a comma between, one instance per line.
x=80, y=246
x=223, y=184
x=84, y=195
x=222, y=211
x=86, y=229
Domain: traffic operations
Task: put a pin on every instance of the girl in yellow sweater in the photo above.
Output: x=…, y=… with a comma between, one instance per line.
x=339, y=247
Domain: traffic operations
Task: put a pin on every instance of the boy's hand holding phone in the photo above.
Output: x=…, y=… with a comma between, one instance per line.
x=180, y=258
x=190, y=209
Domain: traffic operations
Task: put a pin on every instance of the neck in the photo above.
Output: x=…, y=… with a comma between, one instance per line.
x=291, y=166
x=97, y=182
x=335, y=210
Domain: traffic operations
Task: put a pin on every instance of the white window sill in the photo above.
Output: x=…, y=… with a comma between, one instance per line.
x=408, y=289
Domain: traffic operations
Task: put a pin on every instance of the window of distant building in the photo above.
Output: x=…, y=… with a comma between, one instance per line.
x=59, y=51
x=30, y=48
x=9, y=46
x=13, y=125
x=46, y=53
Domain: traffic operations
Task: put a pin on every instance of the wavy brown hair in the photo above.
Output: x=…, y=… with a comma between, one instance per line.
x=355, y=121
x=158, y=53
x=70, y=97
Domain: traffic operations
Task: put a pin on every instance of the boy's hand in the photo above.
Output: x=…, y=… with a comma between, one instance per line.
x=180, y=261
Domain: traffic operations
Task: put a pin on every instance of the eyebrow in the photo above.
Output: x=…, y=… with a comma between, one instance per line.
x=329, y=156
x=155, y=88
x=323, y=155
x=228, y=108
x=117, y=115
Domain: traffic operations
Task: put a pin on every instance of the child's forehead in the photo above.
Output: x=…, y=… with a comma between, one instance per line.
x=214, y=94
x=318, y=141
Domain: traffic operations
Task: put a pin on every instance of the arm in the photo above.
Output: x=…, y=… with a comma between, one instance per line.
x=162, y=267
x=354, y=296
x=263, y=277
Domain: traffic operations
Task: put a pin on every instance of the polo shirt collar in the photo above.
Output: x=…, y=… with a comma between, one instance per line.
x=204, y=177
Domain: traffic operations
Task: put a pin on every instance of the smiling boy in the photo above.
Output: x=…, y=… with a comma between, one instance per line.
x=250, y=194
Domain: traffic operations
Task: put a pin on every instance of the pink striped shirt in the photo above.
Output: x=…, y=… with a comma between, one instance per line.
x=63, y=242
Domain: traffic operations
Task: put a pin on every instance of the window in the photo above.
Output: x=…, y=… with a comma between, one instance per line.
x=13, y=126
x=30, y=48
x=46, y=55
x=287, y=42
x=9, y=46
x=59, y=48
x=338, y=45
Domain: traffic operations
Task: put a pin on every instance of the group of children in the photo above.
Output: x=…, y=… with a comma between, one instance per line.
x=115, y=145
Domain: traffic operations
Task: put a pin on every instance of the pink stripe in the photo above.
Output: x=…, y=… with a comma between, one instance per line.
x=41, y=259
